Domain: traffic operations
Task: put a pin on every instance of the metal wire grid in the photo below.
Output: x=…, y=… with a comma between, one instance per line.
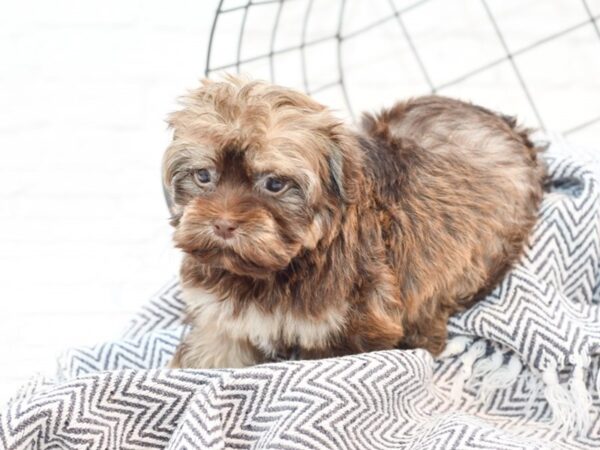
x=394, y=15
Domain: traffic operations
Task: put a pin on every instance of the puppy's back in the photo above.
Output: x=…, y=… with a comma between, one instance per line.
x=447, y=139
x=462, y=187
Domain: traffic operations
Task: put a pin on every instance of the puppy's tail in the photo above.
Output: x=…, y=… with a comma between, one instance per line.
x=535, y=148
x=524, y=133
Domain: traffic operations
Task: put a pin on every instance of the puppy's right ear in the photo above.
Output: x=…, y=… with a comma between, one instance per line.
x=172, y=163
x=174, y=211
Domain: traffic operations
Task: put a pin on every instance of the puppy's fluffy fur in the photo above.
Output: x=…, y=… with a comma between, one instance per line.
x=375, y=238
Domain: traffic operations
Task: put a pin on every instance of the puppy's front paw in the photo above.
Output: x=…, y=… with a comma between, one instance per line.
x=201, y=349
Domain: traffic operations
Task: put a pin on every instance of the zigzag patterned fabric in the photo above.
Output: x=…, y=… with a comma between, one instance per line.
x=520, y=372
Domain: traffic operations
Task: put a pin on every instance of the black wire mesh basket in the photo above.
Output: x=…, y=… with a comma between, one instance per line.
x=538, y=60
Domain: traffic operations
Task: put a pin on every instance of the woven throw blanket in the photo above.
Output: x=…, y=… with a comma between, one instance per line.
x=521, y=370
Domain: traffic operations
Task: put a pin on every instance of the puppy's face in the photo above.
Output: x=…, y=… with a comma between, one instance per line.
x=256, y=174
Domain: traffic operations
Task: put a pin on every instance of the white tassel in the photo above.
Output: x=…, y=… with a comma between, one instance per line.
x=598, y=380
x=476, y=351
x=558, y=398
x=581, y=397
x=484, y=367
x=503, y=377
x=455, y=346
x=489, y=364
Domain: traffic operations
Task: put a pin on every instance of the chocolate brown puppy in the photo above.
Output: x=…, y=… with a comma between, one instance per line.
x=305, y=237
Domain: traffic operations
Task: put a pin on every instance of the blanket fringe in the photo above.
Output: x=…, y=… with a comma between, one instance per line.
x=570, y=405
x=501, y=377
x=582, y=399
x=559, y=399
x=598, y=379
x=485, y=366
x=455, y=346
x=476, y=351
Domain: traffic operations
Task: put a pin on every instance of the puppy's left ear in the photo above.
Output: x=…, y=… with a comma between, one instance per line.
x=344, y=163
x=336, y=172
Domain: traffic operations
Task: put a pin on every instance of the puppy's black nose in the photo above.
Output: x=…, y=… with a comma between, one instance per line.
x=224, y=228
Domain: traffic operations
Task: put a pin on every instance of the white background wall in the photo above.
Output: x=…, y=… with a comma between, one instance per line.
x=85, y=86
x=84, y=238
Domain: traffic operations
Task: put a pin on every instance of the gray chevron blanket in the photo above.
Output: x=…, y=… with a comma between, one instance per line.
x=521, y=371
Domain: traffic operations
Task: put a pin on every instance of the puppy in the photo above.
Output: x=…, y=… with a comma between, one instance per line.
x=305, y=238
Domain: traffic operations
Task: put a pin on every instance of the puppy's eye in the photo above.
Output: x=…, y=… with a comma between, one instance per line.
x=274, y=185
x=202, y=176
